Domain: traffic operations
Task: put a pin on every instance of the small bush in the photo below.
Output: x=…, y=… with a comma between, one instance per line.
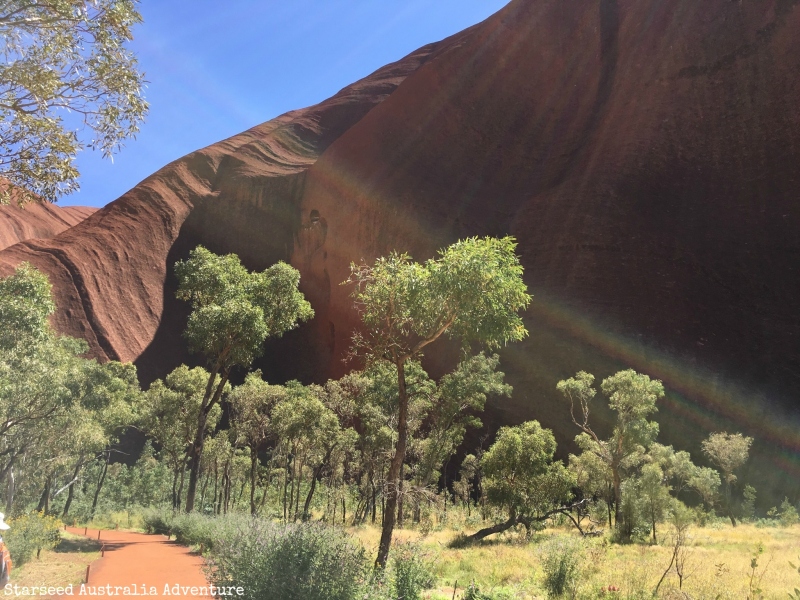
x=561, y=559
x=788, y=514
x=31, y=533
x=473, y=592
x=411, y=571
x=157, y=521
x=309, y=561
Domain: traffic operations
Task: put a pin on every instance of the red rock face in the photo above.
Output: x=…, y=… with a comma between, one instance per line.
x=646, y=155
x=37, y=221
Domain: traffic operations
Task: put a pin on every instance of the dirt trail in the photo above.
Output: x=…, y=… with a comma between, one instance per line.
x=145, y=565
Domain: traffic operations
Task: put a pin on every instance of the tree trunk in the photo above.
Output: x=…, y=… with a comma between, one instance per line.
x=216, y=487
x=374, y=502
x=285, y=490
x=11, y=488
x=307, y=503
x=314, y=478
x=175, y=490
x=617, y=495
x=297, y=492
x=253, y=476
x=393, y=478
x=487, y=531
x=71, y=492
x=196, y=451
x=44, y=500
x=99, y=487
x=203, y=491
x=655, y=539
x=400, y=499
x=179, y=497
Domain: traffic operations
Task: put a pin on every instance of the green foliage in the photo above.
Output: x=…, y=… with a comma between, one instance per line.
x=472, y=291
x=520, y=475
x=411, y=572
x=234, y=311
x=632, y=396
x=653, y=495
x=26, y=303
x=60, y=57
x=749, y=504
x=728, y=451
x=29, y=534
x=172, y=410
x=561, y=559
x=473, y=592
x=47, y=391
x=788, y=513
x=291, y=562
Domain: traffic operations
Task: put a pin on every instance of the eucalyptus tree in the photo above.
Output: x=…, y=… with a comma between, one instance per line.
x=233, y=313
x=522, y=479
x=173, y=408
x=308, y=431
x=472, y=291
x=64, y=57
x=251, y=415
x=632, y=396
x=459, y=397
x=108, y=402
x=593, y=476
x=37, y=371
x=681, y=474
x=728, y=452
x=463, y=486
x=48, y=390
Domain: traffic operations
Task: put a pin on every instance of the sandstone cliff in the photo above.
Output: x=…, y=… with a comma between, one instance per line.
x=646, y=155
x=37, y=221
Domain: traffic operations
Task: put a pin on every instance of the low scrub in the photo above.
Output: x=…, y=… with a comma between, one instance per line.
x=290, y=562
x=30, y=534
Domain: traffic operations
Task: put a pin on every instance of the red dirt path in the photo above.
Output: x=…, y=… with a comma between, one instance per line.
x=136, y=559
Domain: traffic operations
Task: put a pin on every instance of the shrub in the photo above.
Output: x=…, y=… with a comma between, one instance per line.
x=29, y=534
x=474, y=593
x=788, y=514
x=308, y=561
x=561, y=559
x=157, y=521
x=411, y=571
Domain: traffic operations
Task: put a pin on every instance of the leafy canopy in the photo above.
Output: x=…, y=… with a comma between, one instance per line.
x=234, y=311
x=64, y=57
x=472, y=291
x=520, y=474
x=728, y=451
x=25, y=304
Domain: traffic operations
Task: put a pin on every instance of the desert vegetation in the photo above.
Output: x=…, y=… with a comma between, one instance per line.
x=363, y=487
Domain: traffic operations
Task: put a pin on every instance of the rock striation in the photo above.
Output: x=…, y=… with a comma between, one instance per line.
x=18, y=224
x=645, y=153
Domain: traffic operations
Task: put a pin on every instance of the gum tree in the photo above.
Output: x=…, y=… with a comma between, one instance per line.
x=633, y=397
x=728, y=452
x=233, y=313
x=64, y=57
x=521, y=478
x=173, y=410
x=472, y=291
x=251, y=415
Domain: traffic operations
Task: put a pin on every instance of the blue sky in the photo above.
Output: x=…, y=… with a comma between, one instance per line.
x=215, y=72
